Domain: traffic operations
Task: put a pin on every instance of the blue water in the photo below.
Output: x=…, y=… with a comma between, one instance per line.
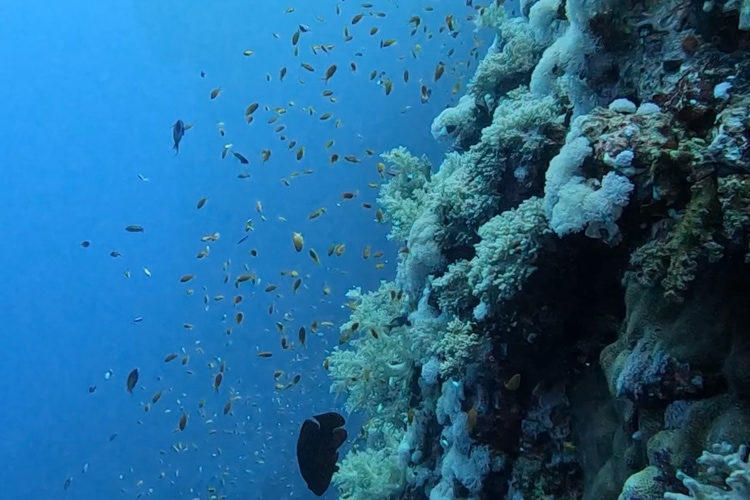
x=89, y=93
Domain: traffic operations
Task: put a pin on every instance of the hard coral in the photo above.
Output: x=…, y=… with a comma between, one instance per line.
x=723, y=464
x=673, y=263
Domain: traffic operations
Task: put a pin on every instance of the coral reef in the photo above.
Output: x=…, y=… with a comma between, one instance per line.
x=569, y=315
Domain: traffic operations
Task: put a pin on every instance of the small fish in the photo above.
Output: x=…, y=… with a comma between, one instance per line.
x=115, y=253
x=264, y=354
x=169, y=357
x=85, y=244
x=241, y=158
x=398, y=322
x=252, y=108
x=314, y=256
x=183, y=421
x=134, y=228
x=424, y=94
x=388, y=86
x=513, y=383
x=67, y=483
x=439, y=70
x=217, y=381
x=132, y=380
x=178, y=132
x=215, y=93
x=298, y=241
x=329, y=73
x=302, y=335
x=186, y=277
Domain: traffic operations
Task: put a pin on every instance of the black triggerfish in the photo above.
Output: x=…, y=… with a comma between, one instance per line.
x=178, y=131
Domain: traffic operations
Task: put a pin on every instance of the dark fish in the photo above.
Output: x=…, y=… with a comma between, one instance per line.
x=85, y=244
x=112, y=437
x=92, y=388
x=134, y=228
x=132, y=380
x=398, y=322
x=243, y=238
x=317, y=445
x=178, y=131
x=68, y=482
x=241, y=158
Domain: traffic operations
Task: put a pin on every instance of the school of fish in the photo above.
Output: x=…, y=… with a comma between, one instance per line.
x=285, y=342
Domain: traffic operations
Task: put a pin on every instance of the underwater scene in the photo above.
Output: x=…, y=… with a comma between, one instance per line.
x=375, y=250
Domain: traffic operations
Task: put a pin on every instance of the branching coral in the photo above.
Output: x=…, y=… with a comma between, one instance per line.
x=454, y=294
x=402, y=198
x=723, y=465
x=509, y=60
x=506, y=254
x=462, y=194
x=458, y=347
x=373, y=473
x=518, y=113
x=374, y=374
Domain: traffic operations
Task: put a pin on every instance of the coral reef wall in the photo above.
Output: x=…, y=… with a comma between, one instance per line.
x=570, y=315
